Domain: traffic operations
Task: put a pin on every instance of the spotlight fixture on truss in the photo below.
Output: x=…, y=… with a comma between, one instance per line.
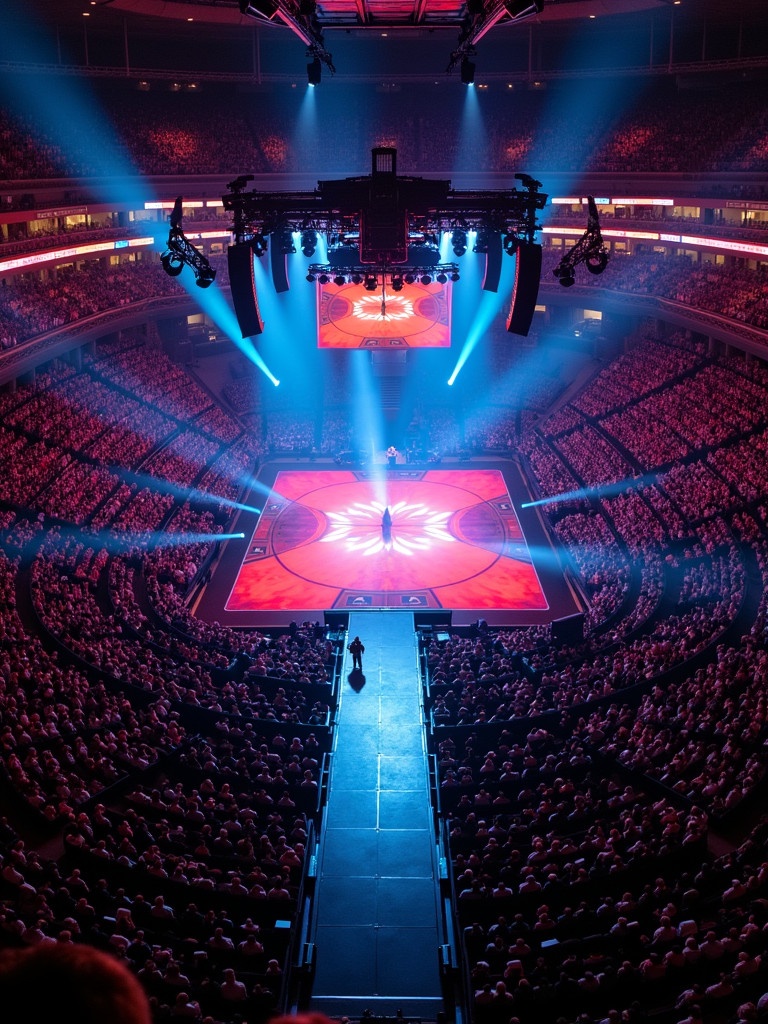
x=374, y=278
x=589, y=250
x=308, y=241
x=300, y=16
x=180, y=252
x=481, y=17
x=314, y=69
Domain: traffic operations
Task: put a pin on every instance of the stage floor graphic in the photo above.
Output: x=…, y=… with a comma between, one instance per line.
x=323, y=541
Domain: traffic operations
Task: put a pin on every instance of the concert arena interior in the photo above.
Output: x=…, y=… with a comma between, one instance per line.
x=440, y=324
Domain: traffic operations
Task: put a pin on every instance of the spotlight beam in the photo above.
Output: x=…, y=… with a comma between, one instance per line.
x=606, y=491
x=120, y=543
x=161, y=486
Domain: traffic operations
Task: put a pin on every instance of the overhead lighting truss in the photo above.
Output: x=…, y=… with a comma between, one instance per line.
x=385, y=216
x=300, y=16
x=482, y=16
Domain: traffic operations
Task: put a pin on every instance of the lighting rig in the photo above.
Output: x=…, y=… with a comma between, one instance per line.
x=481, y=16
x=180, y=252
x=300, y=16
x=383, y=229
x=589, y=250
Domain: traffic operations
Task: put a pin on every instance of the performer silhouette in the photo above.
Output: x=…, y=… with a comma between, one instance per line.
x=357, y=650
x=386, y=527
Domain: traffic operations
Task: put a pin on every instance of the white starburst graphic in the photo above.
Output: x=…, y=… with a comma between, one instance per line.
x=369, y=307
x=413, y=529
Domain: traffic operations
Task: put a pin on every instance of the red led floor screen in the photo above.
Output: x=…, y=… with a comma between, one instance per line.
x=409, y=539
x=417, y=316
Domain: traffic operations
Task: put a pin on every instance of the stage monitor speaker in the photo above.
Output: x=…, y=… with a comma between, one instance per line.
x=336, y=620
x=279, y=263
x=492, y=263
x=243, y=282
x=526, y=289
x=568, y=630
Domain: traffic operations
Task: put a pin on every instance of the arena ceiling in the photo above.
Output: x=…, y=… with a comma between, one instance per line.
x=404, y=14
x=214, y=37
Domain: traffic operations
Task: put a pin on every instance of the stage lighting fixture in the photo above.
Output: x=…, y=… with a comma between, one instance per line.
x=172, y=264
x=315, y=71
x=510, y=244
x=425, y=279
x=259, y=244
x=397, y=284
x=357, y=279
x=308, y=241
x=518, y=9
x=205, y=279
x=323, y=279
x=564, y=273
x=261, y=8
x=455, y=276
x=284, y=240
x=596, y=264
x=370, y=283
x=481, y=241
x=409, y=278
x=339, y=280
x=442, y=278
x=459, y=241
x=311, y=278
x=467, y=72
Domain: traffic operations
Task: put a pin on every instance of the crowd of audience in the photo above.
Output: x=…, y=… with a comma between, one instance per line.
x=158, y=133
x=726, y=290
x=112, y=693
x=579, y=783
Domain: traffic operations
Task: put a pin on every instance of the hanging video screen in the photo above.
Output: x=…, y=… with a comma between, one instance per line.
x=417, y=316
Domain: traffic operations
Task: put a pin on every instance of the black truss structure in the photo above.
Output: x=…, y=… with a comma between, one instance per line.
x=589, y=250
x=384, y=214
x=180, y=252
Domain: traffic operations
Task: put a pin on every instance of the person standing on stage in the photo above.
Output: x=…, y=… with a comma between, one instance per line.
x=356, y=649
x=386, y=527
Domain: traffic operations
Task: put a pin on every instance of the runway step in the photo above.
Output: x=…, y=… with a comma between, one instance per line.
x=391, y=392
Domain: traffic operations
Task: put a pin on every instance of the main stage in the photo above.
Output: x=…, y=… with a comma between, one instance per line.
x=403, y=538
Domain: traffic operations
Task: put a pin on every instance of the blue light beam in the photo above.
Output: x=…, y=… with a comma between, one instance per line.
x=605, y=491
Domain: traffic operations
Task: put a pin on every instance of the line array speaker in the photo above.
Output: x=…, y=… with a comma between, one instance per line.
x=279, y=262
x=492, y=263
x=241, y=277
x=526, y=288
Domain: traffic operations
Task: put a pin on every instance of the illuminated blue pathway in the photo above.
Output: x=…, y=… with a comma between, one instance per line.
x=377, y=901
